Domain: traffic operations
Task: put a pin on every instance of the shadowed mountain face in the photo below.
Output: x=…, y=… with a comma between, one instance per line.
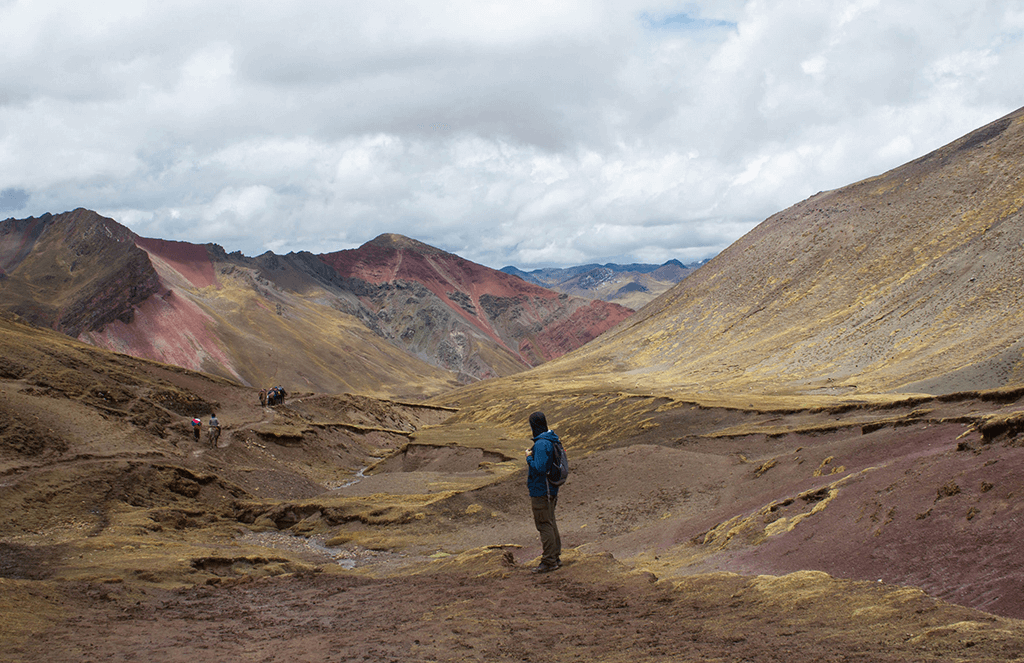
x=909, y=281
x=394, y=317
x=75, y=272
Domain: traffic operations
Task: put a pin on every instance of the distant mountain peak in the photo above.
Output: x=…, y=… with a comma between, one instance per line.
x=401, y=242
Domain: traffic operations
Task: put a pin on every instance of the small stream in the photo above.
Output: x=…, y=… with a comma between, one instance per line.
x=359, y=475
x=315, y=549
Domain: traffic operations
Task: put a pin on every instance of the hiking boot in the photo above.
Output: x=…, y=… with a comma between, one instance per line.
x=544, y=567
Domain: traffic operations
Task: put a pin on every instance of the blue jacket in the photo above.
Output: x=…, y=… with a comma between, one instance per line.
x=539, y=462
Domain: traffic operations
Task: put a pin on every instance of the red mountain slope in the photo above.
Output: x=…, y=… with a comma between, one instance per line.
x=190, y=261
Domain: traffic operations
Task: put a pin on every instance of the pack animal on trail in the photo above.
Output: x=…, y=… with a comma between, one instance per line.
x=276, y=395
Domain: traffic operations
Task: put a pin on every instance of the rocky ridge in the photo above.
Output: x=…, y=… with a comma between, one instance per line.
x=470, y=304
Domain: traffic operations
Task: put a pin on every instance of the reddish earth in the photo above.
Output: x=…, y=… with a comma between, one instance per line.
x=191, y=261
x=393, y=257
x=170, y=328
x=125, y=540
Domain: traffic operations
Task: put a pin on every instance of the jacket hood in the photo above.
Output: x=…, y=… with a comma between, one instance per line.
x=538, y=423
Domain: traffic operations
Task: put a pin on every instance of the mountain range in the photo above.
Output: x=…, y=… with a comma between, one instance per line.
x=394, y=316
x=632, y=285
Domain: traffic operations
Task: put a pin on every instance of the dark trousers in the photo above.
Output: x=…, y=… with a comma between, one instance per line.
x=544, y=519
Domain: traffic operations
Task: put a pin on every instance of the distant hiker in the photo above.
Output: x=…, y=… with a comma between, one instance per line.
x=263, y=397
x=214, y=433
x=544, y=495
x=196, y=428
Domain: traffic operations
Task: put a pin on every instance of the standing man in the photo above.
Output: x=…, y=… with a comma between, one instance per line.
x=543, y=496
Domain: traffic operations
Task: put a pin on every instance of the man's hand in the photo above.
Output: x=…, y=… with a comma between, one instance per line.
x=528, y=452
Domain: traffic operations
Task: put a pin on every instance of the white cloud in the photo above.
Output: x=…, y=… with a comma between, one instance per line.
x=529, y=133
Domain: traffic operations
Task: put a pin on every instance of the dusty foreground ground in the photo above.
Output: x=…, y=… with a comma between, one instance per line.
x=482, y=608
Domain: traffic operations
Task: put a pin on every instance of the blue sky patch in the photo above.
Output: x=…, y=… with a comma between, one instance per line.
x=684, y=22
x=13, y=199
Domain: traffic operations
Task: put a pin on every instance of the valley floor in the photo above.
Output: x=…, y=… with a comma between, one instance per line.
x=348, y=528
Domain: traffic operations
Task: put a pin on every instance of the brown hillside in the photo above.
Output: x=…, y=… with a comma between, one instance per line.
x=758, y=399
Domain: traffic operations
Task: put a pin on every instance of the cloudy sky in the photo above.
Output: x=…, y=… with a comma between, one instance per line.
x=529, y=133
